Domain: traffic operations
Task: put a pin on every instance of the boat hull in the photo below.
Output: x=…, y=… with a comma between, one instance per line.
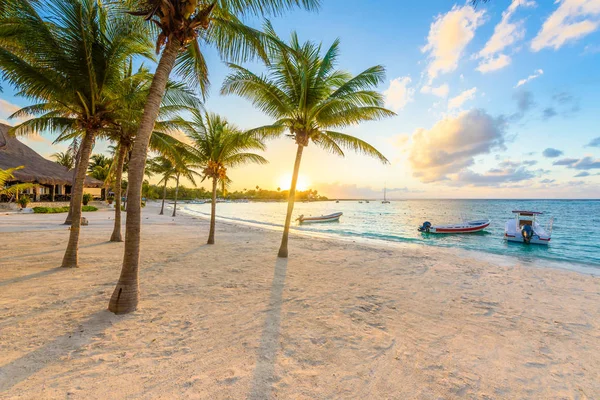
x=467, y=227
x=534, y=240
x=322, y=219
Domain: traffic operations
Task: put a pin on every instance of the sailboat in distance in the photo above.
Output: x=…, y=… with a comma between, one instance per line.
x=385, y=200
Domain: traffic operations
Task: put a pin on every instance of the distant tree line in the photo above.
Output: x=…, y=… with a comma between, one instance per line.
x=154, y=192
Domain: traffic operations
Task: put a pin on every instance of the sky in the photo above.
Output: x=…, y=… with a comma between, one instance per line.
x=501, y=100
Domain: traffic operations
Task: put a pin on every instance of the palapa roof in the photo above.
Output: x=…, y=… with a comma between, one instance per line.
x=36, y=169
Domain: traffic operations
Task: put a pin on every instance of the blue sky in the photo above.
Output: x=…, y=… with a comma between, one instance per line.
x=480, y=94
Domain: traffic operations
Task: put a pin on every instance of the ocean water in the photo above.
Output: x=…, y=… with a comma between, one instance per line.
x=575, y=235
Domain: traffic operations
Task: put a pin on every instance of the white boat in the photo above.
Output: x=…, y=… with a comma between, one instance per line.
x=525, y=229
x=461, y=227
x=323, y=218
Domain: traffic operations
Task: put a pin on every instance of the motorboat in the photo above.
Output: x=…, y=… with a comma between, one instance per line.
x=323, y=218
x=525, y=229
x=461, y=227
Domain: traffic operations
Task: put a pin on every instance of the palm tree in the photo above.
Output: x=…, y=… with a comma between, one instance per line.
x=64, y=158
x=162, y=166
x=67, y=55
x=183, y=25
x=183, y=166
x=309, y=98
x=132, y=97
x=219, y=145
x=99, y=168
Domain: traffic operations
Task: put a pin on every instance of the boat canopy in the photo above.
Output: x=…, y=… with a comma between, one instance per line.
x=527, y=213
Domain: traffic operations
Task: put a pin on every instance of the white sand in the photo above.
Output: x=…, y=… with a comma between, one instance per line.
x=337, y=320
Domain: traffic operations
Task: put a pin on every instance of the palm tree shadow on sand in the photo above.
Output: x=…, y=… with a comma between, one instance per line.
x=22, y=368
x=269, y=341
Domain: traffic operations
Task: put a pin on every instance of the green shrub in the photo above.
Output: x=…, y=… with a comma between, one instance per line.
x=24, y=201
x=50, y=210
x=87, y=197
x=55, y=210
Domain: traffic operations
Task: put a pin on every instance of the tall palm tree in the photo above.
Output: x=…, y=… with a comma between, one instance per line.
x=185, y=27
x=133, y=93
x=309, y=98
x=67, y=55
x=219, y=145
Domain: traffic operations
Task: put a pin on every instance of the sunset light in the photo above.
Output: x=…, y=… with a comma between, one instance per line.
x=286, y=180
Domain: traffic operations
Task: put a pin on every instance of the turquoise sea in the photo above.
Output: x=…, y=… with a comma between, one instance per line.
x=575, y=235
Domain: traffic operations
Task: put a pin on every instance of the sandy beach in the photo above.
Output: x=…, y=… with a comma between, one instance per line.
x=337, y=320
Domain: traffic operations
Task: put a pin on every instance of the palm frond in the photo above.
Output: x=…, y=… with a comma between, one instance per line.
x=353, y=143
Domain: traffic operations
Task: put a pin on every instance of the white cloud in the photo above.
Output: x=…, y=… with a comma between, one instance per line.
x=398, y=95
x=451, y=145
x=458, y=101
x=505, y=34
x=493, y=63
x=493, y=177
x=572, y=20
x=448, y=37
x=7, y=108
x=536, y=74
x=440, y=91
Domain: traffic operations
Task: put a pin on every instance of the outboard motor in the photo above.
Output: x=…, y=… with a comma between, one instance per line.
x=527, y=233
x=425, y=227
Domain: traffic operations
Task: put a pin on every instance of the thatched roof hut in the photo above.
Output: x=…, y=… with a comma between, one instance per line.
x=37, y=169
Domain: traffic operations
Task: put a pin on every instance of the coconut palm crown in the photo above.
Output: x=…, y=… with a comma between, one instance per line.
x=310, y=100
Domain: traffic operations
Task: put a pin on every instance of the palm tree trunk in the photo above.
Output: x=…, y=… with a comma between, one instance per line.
x=176, y=194
x=69, y=218
x=213, y=212
x=283, y=249
x=70, y=257
x=162, y=207
x=116, y=235
x=126, y=295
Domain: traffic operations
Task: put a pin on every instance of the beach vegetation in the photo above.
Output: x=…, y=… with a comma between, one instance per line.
x=12, y=191
x=219, y=145
x=66, y=56
x=64, y=158
x=24, y=201
x=310, y=100
x=132, y=95
x=56, y=210
x=87, y=197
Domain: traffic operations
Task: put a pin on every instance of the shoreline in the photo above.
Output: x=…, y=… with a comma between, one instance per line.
x=335, y=320
x=503, y=259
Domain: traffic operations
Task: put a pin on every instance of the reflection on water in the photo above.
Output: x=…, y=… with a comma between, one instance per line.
x=574, y=238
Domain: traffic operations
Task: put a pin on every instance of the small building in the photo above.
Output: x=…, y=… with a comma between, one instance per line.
x=54, y=180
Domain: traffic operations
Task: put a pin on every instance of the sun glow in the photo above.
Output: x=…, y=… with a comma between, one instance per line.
x=286, y=180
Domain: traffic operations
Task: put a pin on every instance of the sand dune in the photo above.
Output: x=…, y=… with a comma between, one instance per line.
x=337, y=320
